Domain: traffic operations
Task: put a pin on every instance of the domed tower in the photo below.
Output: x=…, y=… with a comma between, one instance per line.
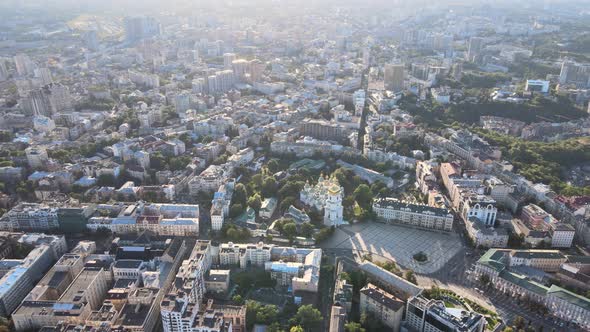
x=333, y=208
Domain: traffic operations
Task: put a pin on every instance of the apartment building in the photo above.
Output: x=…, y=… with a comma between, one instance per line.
x=221, y=203
x=426, y=176
x=244, y=254
x=180, y=305
x=30, y=217
x=386, y=307
x=208, y=180
x=562, y=235
x=163, y=219
x=391, y=210
x=21, y=275
x=337, y=318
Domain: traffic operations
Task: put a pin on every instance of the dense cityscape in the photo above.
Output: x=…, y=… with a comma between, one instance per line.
x=295, y=166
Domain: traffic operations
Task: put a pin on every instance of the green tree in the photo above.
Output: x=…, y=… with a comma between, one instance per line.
x=484, y=279
x=519, y=322
x=296, y=329
x=234, y=234
x=237, y=299
x=179, y=163
x=267, y=314
x=158, y=162
x=257, y=313
x=363, y=196
x=273, y=166
x=290, y=230
x=240, y=195
x=291, y=188
x=269, y=187
x=63, y=156
x=255, y=202
x=353, y=327
x=288, y=201
x=306, y=230
x=323, y=234
x=5, y=136
x=235, y=210
x=257, y=181
x=308, y=317
x=106, y=180
x=275, y=327
x=411, y=277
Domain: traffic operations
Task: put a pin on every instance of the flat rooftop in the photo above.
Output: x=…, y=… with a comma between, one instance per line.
x=75, y=292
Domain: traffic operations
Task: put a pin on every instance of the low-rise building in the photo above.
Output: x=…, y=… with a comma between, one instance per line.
x=217, y=281
x=496, y=264
x=268, y=207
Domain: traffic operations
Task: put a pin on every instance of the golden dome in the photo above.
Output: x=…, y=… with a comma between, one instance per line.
x=334, y=189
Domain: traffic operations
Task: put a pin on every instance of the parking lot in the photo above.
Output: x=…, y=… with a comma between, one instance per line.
x=398, y=243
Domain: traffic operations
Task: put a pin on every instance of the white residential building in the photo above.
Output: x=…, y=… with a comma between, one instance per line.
x=394, y=211
x=244, y=254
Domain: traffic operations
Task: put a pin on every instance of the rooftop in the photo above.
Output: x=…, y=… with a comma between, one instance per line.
x=392, y=203
x=382, y=297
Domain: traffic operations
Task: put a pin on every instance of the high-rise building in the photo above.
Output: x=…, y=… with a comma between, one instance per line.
x=3, y=70
x=35, y=103
x=140, y=27
x=475, y=46
x=574, y=73
x=240, y=68
x=256, y=69
x=420, y=71
x=24, y=65
x=394, y=77
x=366, y=57
x=221, y=82
x=182, y=103
x=458, y=71
x=91, y=40
x=228, y=58
x=51, y=98
x=43, y=75
x=196, y=57
x=198, y=85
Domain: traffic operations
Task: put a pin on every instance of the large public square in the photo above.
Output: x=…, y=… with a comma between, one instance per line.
x=398, y=243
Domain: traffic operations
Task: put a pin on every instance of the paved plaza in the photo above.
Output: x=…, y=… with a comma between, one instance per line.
x=398, y=243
